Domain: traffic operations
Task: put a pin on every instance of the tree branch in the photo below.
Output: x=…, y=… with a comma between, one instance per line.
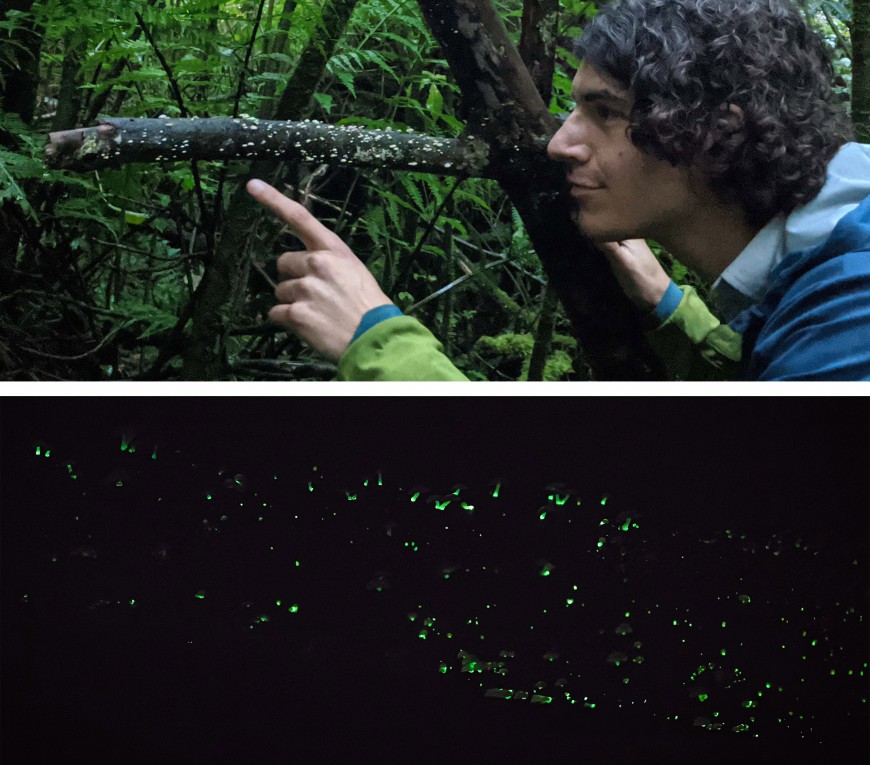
x=123, y=140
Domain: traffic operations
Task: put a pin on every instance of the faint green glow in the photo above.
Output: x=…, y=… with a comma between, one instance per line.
x=48, y=452
x=601, y=541
x=124, y=445
x=627, y=614
x=723, y=624
x=561, y=500
x=814, y=642
x=294, y=609
x=627, y=525
x=119, y=483
x=570, y=601
x=456, y=493
x=543, y=515
x=744, y=599
x=442, y=668
x=722, y=652
x=310, y=486
x=496, y=490
x=833, y=672
x=604, y=501
x=366, y=482
x=380, y=479
x=422, y=634
x=208, y=496
x=441, y=505
x=536, y=699
x=277, y=602
x=466, y=506
x=38, y=451
x=749, y=704
x=298, y=564
x=200, y=595
x=703, y=697
x=132, y=601
x=154, y=455
x=350, y=497
x=415, y=497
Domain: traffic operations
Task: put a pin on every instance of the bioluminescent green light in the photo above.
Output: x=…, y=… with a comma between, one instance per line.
x=749, y=703
x=442, y=668
x=543, y=515
x=703, y=697
x=277, y=602
x=456, y=493
x=604, y=501
x=601, y=541
x=298, y=564
x=415, y=497
x=723, y=624
x=570, y=601
x=200, y=595
x=466, y=506
x=132, y=601
x=422, y=634
x=537, y=699
x=154, y=455
x=627, y=614
x=294, y=609
x=366, y=482
x=38, y=451
x=441, y=505
x=744, y=599
x=722, y=652
x=124, y=445
x=627, y=525
x=561, y=500
x=351, y=497
x=48, y=452
x=496, y=490
x=119, y=483
x=380, y=479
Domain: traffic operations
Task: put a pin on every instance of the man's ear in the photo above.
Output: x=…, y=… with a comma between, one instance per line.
x=727, y=129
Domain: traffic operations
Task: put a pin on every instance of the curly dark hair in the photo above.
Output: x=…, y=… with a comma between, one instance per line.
x=687, y=61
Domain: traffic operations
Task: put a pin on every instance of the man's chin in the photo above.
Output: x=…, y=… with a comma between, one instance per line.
x=594, y=233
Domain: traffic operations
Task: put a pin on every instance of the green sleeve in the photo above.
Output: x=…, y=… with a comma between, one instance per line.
x=695, y=345
x=396, y=349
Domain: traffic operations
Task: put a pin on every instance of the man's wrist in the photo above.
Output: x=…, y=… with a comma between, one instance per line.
x=668, y=303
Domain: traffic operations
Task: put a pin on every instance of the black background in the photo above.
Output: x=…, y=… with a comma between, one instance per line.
x=111, y=686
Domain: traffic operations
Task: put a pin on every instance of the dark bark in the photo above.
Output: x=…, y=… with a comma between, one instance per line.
x=69, y=99
x=861, y=69
x=19, y=72
x=503, y=104
x=538, y=43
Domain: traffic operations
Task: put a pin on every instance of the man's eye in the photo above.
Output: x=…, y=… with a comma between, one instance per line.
x=605, y=113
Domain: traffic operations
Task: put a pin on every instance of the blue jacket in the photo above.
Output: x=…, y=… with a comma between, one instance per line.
x=814, y=321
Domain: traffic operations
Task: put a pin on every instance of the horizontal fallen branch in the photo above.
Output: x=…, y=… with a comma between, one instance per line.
x=123, y=140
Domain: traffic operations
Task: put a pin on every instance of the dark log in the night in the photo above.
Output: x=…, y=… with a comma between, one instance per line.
x=123, y=140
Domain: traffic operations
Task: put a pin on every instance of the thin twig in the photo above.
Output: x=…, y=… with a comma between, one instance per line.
x=102, y=342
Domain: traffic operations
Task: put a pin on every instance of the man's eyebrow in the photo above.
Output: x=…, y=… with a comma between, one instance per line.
x=591, y=96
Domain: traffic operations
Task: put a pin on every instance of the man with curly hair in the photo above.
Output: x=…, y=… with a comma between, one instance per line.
x=711, y=128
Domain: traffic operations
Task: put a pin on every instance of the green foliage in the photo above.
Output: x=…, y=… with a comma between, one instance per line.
x=102, y=266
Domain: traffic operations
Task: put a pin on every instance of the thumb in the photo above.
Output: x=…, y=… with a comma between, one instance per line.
x=314, y=235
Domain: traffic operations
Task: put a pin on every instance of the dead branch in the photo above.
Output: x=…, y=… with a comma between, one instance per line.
x=123, y=140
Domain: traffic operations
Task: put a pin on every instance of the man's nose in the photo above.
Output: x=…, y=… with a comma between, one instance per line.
x=567, y=144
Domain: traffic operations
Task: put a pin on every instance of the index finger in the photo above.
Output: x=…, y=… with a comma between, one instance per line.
x=314, y=235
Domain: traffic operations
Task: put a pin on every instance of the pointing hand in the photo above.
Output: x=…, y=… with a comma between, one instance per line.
x=326, y=289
